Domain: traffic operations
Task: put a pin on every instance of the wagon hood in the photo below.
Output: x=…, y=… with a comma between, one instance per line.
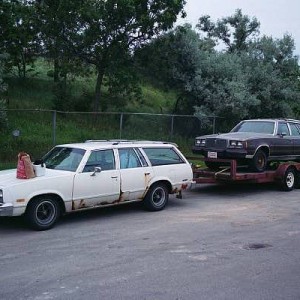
x=241, y=136
x=8, y=177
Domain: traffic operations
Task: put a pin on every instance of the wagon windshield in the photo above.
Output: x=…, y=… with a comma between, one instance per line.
x=63, y=158
x=255, y=126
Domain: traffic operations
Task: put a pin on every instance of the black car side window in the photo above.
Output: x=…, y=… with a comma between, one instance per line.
x=283, y=129
x=295, y=130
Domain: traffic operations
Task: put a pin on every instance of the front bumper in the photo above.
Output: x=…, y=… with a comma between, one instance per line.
x=6, y=210
x=233, y=153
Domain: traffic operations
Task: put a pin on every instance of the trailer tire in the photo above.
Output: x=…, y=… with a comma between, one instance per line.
x=289, y=179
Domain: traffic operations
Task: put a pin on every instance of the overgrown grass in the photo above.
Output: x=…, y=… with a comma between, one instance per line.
x=36, y=127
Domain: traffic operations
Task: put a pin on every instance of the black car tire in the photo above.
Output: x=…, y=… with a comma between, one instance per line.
x=259, y=161
x=42, y=213
x=156, y=198
x=289, y=180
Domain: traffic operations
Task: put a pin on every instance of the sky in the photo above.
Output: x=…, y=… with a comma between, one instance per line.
x=276, y=17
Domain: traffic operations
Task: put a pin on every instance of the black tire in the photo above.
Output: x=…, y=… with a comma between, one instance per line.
x=259, y=161
x=289, y=180
x=42, y=213
x=157, y=197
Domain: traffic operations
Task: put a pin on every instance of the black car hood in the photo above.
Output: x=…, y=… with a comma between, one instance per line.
x=240, y=136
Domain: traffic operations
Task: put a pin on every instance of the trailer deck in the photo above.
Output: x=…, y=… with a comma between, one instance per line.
x=285, y=174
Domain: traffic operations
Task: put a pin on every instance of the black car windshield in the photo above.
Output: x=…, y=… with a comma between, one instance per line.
x=63, y=158
x=255, y=126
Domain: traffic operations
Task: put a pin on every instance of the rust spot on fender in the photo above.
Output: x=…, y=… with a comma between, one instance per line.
x=147, y=179
x=81, y=204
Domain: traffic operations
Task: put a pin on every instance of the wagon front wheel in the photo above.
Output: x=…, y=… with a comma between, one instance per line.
x=42, y=213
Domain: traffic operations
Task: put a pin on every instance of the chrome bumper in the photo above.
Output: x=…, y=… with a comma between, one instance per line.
x=6, y=210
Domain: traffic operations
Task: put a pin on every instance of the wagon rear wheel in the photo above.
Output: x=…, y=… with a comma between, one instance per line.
x=156, y=198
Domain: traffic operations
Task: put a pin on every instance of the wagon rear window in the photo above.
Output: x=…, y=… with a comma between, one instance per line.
x=163, y=156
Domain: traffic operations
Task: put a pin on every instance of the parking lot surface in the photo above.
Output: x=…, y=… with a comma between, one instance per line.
x=218, y=242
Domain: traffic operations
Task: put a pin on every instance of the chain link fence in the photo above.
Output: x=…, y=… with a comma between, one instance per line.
x=36, y=131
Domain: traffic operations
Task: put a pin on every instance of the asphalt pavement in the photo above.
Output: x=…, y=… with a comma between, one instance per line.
x=218, y=242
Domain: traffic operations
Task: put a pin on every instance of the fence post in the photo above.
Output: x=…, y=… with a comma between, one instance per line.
x=121, y=125
x=172, y=126
x=214, y=125
x=54, y=127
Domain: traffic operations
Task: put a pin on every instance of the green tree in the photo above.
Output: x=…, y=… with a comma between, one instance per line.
x=103, y=33
x=273, y=76
x=18, y=33
x=235, y=31
x=3, y=87
x=54, y=17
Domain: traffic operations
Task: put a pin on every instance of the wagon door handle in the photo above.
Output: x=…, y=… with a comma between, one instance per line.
x=147, y=173
x=114, y=176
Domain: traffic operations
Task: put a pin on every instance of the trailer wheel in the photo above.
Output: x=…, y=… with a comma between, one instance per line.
x=289, y=180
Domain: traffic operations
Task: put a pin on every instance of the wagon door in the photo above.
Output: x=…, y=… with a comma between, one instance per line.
x=135, y=174
x=98, y=183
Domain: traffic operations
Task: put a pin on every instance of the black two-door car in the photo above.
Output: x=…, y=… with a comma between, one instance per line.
x=253, y=142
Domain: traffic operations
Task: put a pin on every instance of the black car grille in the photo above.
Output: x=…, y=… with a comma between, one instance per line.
x=216, y=143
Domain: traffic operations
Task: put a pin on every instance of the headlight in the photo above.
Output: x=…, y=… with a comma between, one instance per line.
x=236, y=144
x=1, y=196
x=200, y=142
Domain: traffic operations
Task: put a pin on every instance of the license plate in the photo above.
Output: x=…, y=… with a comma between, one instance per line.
x=212, y=154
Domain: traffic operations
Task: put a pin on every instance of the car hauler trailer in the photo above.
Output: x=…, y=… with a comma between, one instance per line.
x=285, y=175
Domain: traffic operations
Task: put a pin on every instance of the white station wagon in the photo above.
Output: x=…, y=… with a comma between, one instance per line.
x=96, y=174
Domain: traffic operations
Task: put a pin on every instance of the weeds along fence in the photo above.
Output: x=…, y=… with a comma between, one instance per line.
x=36, y=131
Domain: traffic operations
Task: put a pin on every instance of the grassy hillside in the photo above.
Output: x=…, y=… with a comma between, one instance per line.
x=36, y=132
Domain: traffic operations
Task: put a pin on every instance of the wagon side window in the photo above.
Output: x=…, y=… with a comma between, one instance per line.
x=163, y=156
x=100, y=158
x=128, y=159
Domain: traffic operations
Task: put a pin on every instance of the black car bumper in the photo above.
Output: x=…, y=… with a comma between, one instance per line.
x=227, y=153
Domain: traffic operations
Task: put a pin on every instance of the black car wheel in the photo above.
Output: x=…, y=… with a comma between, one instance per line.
x=289, y=180
x=157, y=197
x=259, y=161
x=42, y=213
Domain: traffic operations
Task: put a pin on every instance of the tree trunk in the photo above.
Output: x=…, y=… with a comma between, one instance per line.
x=100, y=76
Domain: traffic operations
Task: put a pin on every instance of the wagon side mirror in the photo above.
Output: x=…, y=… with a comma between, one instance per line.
x=96, y=170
